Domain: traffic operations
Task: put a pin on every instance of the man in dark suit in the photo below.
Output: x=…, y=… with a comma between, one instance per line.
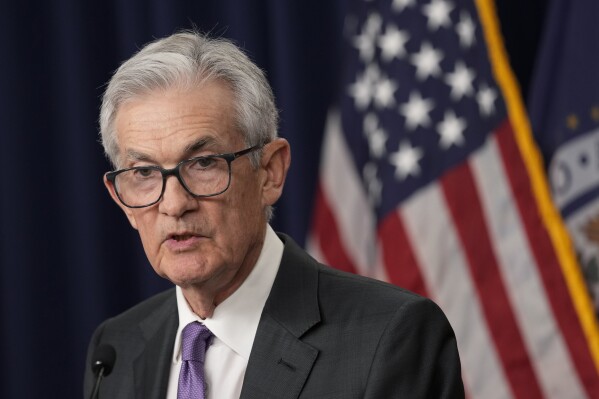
x=190, y=125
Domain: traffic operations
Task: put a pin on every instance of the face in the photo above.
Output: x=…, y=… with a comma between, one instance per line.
x=210, y=243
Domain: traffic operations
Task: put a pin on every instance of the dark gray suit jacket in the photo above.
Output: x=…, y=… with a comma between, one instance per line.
x=323, y=334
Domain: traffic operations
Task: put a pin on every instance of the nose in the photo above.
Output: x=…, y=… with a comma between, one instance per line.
x=176, y=201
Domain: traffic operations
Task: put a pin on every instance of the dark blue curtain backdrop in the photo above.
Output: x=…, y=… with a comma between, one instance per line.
x=68, y=258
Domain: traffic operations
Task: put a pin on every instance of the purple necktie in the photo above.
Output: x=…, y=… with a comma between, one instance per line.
x=195, y=339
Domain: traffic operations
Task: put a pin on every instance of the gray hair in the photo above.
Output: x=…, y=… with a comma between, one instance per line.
x=186, y=60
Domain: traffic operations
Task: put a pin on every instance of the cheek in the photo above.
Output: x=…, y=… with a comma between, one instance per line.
x=238, y=216
x=147, y=233
x=246, y=210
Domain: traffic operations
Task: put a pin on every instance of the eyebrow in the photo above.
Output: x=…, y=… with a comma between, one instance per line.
x=197, y=145
x=194, y=146
x=133, y=155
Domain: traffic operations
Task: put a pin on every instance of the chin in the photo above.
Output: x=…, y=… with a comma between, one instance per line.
x=184, y=280
x=185, y=271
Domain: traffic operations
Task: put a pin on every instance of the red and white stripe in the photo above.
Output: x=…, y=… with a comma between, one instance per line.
x=474, y=242
x=443, y=265
x=346, y=218
x=527, y=296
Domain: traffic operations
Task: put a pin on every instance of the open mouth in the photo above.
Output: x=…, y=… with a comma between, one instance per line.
x=183, y=241
x=182, y=237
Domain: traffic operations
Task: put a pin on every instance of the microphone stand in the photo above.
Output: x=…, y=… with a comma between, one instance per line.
x=96, y=390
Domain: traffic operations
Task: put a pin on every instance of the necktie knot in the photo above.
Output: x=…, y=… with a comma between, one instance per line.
x=196, y=338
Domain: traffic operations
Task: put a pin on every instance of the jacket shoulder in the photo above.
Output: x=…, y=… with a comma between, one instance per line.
x=346, y=295
x=338, y=282
x=154, y=308
x=146, y=308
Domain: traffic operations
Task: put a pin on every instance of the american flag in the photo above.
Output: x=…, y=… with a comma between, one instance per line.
x=430, y=180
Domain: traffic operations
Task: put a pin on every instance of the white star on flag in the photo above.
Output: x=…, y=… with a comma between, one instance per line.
x=377, y=137
x=392, y=43
x=427, y=61
x=486, y=97
x=365, y=41
x=406, y=160
x=384, y=92
x=465, y=30
x=437, y=13
x=374, y=184
x=400, y=5
x=416, y=111
x=451, y=130
x=460, y=81
x=362, y=90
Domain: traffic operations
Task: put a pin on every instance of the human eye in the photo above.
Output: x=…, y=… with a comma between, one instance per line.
x=202, y=163
x=142, y=173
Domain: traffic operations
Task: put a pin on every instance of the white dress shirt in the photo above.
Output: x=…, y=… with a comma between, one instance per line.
x=234, y=324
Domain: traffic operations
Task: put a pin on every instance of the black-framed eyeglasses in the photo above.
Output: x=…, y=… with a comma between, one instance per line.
x=204, y=176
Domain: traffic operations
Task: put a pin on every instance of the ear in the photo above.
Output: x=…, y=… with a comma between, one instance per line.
x=115, y=198
x=275, y=161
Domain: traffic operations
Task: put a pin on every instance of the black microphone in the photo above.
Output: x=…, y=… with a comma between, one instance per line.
x=102, y=363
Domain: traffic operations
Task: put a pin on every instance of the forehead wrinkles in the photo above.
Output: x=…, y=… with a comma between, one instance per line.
x=153, y=116
x=187, y=149
x=164, y=133
x=153, y=119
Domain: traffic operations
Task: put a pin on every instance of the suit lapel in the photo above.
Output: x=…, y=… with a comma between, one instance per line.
x=280, y=362
x=152, y=367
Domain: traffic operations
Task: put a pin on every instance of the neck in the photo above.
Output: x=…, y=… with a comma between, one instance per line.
x=200, y=302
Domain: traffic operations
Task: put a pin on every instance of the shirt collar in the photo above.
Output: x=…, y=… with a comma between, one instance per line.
x=236, y=319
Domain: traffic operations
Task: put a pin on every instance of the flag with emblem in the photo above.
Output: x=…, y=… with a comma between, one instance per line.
x=564, y=113
x=430, y=179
